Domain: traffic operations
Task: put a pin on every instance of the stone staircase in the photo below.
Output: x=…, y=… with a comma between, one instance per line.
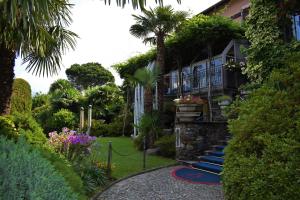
x=212, y=161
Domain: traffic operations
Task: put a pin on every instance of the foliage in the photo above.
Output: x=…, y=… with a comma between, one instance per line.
x=65, y=169
x=43, y=115
x=37, y=177
x=263, y=31
x=136, y=4
x=166, y=145
x=71, y=144
x=64, y=95
x=21, y=96
x=129, y=67
x=60, y=84
x=155, y=23
x=107, y=101
x=113, y=129
x=262, y=159
x=27, y=126
x=149, y=126
x=88, y=75
x=63, y=118
x=40, y=99
x=7, y=128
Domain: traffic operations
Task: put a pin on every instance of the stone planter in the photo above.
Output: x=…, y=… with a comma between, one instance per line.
x=188, y=107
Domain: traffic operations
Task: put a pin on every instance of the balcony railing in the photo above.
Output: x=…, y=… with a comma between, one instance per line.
x=196, y=81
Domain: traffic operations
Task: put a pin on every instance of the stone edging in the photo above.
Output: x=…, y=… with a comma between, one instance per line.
x=127, y=177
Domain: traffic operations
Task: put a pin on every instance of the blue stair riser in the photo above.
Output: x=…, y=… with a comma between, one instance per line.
x=220, y=148
x=213, y=159
x=217, y=153
x=208, y=167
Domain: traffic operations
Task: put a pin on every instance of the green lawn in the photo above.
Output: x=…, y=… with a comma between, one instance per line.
x=127, y=165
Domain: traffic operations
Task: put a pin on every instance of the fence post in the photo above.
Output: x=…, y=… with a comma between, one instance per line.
x=144, y=157
x=109, y=159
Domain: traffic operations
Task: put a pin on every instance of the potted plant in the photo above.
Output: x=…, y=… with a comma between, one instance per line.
x=189, y=103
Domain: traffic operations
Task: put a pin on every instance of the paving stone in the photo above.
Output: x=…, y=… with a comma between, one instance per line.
x=160, y=185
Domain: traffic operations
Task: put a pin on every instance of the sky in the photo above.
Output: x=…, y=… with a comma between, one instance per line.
x=104, y=37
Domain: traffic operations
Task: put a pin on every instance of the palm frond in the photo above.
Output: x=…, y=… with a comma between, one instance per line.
x=135, y=3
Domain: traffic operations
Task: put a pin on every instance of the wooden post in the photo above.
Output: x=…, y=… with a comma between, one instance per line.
x=89, y=119
x=81, y=123
x=109, y=159
x=144, y=157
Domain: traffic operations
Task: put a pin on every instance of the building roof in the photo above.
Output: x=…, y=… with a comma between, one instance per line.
x=215, y=7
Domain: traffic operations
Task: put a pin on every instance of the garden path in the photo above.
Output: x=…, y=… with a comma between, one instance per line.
x=160, y=185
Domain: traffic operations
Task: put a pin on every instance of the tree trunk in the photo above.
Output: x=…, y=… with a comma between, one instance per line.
x=7, y=63
x=160, y=59
x=209, y=52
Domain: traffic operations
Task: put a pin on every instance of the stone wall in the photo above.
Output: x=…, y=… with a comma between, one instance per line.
x=195, y=138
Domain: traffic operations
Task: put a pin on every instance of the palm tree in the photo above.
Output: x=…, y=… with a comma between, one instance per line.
x=154, y=26
x=136, y=3
x=36, y=31
x=147, y=78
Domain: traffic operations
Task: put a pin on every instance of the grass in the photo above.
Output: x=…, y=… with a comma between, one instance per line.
x=133, y=163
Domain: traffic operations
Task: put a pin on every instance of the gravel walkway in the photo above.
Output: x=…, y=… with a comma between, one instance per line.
x=160, y=185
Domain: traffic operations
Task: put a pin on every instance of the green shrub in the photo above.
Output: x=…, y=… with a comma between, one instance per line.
x=43, y=115
x=63, y=118
x=113, y=129
x=27, y=126
x=7, y=128
x=65, y=169
x=21, y=96
x=149, y=126
x=25, y=174
x=166, y=145
x=40, y=99
x=262, y=159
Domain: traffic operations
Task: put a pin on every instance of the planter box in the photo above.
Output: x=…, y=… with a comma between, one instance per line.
x=188, y=107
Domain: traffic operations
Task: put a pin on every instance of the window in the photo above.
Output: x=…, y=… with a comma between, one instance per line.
x=202, y=75
x=296, y=26
x=216, y=76
x=186, y=79
x=174, y=81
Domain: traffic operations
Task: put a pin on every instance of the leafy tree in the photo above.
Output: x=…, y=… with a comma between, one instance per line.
x=88, y=75
x=107, y=101
x=36, y=31
x=21, y=96
x=40, y=99
x=60, y=84
x=153, y=27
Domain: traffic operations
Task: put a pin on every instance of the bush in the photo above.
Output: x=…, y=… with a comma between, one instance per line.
x=166, y=145
x=262, y=159
x=27, y=126
x=149, y=126
x=40, y=99
x=63, y=118
x=25, y=174
x=65, y=169
x=7, y=128
x=21, y=96
x=43, y=115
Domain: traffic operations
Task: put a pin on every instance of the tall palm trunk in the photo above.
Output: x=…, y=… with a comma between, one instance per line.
x=7, y=63
x=160, y=59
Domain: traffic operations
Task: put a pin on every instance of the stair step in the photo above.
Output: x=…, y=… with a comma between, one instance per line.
x=219, y=147
x=217, y=153
x=208, y=167
x=213, y=159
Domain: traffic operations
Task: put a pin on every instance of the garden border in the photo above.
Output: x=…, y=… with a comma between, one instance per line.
x=132, y=175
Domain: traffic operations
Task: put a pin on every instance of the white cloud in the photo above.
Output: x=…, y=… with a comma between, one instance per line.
x=104, y=36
